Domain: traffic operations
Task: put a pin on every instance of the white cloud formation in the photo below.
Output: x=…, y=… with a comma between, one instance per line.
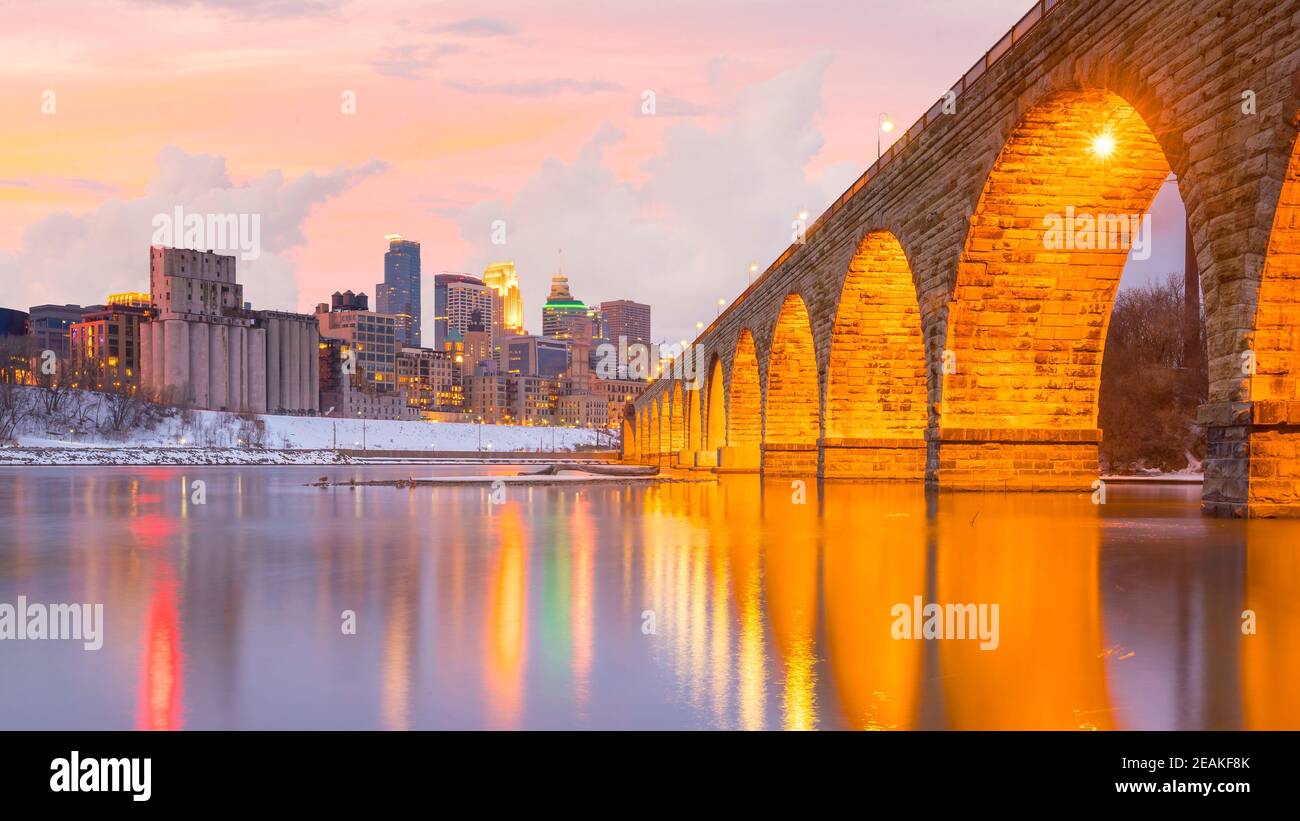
x=257, y=8
x=83, y=258
x=477, y=27
x=535, y=87
x=413, y=61
x=712, y=202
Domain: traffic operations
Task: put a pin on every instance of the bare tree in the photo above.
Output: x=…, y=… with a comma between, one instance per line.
x=15, y=406
x=123, y=409
x=1152, y=382
x=16, y=402
x=54, y=388
x=251, y=431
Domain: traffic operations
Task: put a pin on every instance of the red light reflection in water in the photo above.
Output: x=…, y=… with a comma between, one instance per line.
x=152, y=530
x=163, y=663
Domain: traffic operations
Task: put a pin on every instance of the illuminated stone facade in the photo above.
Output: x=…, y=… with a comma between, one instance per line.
x=932, y=277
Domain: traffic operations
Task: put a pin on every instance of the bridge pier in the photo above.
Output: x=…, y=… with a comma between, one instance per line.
x=739, y=459
x=704, y=459
x=1013, y=459
x=782, y=459
x=1252, y=461
x=876, y=458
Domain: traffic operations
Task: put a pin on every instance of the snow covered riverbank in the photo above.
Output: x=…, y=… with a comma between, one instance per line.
x=168, y=456
x=57, y=456
x=170, y=436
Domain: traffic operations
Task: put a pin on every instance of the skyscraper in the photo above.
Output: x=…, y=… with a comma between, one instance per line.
x=503, y=279
x=399, y=293
x=625, y=318
x=561, y=308
x=457, y=298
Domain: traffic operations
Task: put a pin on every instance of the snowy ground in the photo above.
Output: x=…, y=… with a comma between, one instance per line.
x=215, y=437
x=168, y=456
x=1178, y=478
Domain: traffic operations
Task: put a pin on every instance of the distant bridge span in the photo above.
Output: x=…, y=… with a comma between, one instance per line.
x=924, y=330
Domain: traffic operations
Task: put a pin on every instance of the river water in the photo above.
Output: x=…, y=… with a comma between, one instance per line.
x=731, y=604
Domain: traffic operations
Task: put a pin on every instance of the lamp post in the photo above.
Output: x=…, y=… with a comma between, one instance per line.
x=886, y=125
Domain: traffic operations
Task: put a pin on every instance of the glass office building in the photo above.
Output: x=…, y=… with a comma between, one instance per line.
x=399, y=293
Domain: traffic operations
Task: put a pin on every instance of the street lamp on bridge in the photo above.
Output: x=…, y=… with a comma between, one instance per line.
x=886, y=126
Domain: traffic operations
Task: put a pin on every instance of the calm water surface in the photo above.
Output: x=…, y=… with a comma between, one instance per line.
x=531, y=613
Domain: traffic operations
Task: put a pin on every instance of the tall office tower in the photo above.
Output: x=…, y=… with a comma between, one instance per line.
x=625, y=318
x=399, y=293
x=456, y=297
x=503, y=279
x=561, y=309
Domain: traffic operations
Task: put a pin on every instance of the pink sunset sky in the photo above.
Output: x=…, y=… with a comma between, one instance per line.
x=466, y=113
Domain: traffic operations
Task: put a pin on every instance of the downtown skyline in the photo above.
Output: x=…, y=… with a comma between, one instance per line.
x=919, y=366
x=652, y=207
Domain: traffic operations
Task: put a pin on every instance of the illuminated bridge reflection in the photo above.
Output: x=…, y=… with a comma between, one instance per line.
x=745, y=603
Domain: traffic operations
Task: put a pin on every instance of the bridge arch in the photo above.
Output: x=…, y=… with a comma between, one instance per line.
x=792, y=406
x=716, y=435
x=745, y=406
x=652, y=435
x=630, y=452
x=1035, y=284
x=1276, y=341
x=647, y=410
x=743, y=411
x=661, y=429
x=676, y=422
x=876, y=394
x=694, y=437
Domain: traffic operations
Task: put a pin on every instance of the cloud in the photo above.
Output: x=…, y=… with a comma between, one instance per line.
x=413, y=62
x=535, y=88
x=666, y=105
x=711, y=202
x=477, y=27
x=257, y=8
x=75, y=184
x=83, y=258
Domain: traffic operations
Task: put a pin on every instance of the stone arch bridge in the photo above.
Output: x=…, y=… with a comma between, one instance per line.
x=926, y=329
